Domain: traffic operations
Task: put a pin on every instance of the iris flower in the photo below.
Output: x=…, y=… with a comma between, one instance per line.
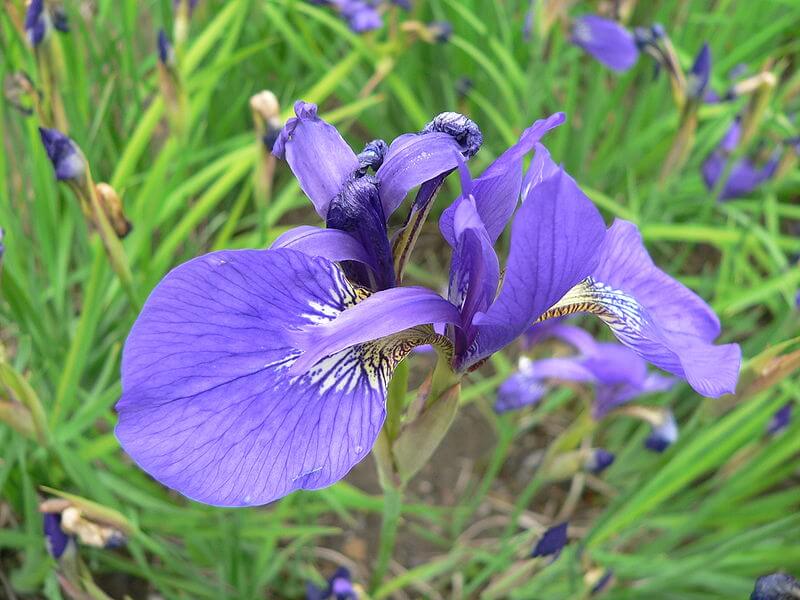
x=361, y=15
x=744, y=175
x=618, y=373
x=253, y=373
x=607, y=41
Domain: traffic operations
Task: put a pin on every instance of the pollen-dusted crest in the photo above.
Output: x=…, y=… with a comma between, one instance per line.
x=607, y=41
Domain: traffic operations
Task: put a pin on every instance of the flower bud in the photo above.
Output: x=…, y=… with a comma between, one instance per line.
x=55, y=538
x=663, y=434
x=21, y=93
x=777, y=586
x=111, y=204
x=465, y=131
x=552, y=542
x=92, y=524
x=38, y=25
x=68, y=161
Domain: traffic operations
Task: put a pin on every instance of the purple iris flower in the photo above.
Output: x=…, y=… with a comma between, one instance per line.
x=67, y=160
x=37, y=22
x=55, y=538
x=618, y=373
x=250, y=374
x=552, y=542
x=607, y=41
x=744, y=176
x=340, y=587
x=361, y=15
x=777, y=586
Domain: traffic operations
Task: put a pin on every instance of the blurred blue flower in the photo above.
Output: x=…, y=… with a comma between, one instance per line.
x=68, y=161
x=618, y=373
x=552, y=542
x=340, y=587
x=777, y=586
x=361, y=15
x=744, y=175
x=607, y=41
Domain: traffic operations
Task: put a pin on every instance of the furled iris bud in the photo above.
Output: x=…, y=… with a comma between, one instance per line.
x=781, y=419
x=567, y=465
x=21, y=92
x=552, y=542
x=55, y=538
x=664, y=432
x=599, y=460
x=607, y=41
x=90, y=523
x=111, y=204
x=697, y=80
x=340, y=587
x=440, y=31
x=38, y=24
x=68, y=161
x=166, y=53
x=602, y=582
x=777, y=586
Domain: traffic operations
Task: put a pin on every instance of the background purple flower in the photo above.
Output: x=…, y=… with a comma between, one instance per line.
x=607, y=41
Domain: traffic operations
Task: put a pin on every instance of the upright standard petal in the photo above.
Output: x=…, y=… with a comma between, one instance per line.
x=497, y=190
x=474, y=268
x=607, y=41
x=318, y=155
x=555, y=237
x=209, y=406
x=659, y=318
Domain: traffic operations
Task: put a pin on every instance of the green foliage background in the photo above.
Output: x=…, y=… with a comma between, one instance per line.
x=699, y=522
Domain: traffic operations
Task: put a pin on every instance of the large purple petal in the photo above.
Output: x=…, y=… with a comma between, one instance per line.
x=555, y=237
x=414, y=158
x=319, y=157
x=209, y=406
x=382, y=314
x=497, y=190
x=332, y=244
x=655, y=315
x=607, y=41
